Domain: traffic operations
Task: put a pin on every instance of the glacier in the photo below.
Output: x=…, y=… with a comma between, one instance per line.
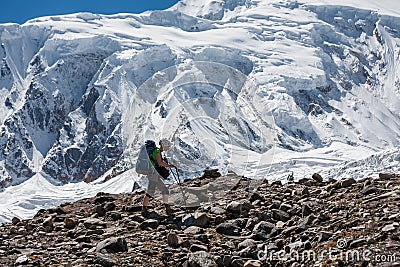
x=259, y=88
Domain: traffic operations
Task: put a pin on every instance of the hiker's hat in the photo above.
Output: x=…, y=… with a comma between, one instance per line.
x=165, y=143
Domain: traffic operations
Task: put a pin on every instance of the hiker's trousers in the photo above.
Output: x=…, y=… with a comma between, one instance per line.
x=155, y=181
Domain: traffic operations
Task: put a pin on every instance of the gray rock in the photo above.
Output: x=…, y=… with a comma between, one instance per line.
x=388, y=228
x=279, y=243
x=238, y=207
x=295, y=246
x=201, y=259
x=193, y=230
x=112, y=245
x=252, y=263
x=69, y=223
x=280, y=215
x=134, y=208
x=324, y=236
x=219, y=219
x=15, y=220
x=83, y=239
x=228, y=228
x=174, y=240
x=347, y=182
x=226, y=260
x=248, y=243
x=237, y=262
x=305, y=181
x=358, y=242
x=150, y=223
x=200, y=219
x=22, y=260
x=104, y=261
x=240, y=222
x=48, y=222
x=305, y=192
x=217, y=210
x=317, y=177
x=307, y=245
x=306, y=210
x=93, y=223
x=102, y=197
x=306, y=221
x=263, y=230
x=99, y=210
x=234, y=207
x=255, y=196
x=109, y=206
x=213, y=173
x=58, y=211
x=136, y=218
x=285, y=207
x=369, y=190
x=113, y=216
x=204, y=238
x=197, y=247
x=252, y=222
x=387, y=176
x=22, y=230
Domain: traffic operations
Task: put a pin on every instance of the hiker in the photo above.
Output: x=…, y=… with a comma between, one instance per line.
x=160, y=164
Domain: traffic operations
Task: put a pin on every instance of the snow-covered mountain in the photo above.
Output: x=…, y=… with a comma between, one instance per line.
x=254, y=87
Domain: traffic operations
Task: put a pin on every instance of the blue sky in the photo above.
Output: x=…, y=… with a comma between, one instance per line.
x=19, y=11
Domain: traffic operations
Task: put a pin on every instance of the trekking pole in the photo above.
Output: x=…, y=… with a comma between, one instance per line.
x=177, y=179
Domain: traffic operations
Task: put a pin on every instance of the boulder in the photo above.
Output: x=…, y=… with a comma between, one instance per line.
x=69, y=223
x=228, y=228
x=369, y=190
x=199, y=219
x=15, y=220
x=280, y=215
x=174, y=240
x=263, y=230
x=201, y=259
x=387, y=176
x=213, y=173
x=93, y=223
x=149, y=223
x=238, y=207
x=104, y=260
x=99, y=210
x=193, y=230
x=113, y=216
x=112, y=245
x=306, y=210
x=317, y=177
x=247, y=243
x=109, y=206
x=197, y=247
x=347, y=182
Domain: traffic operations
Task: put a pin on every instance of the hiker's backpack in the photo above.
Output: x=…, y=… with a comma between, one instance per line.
x=143, y=164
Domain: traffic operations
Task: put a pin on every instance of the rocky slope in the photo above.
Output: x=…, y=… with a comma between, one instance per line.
x=310, y=222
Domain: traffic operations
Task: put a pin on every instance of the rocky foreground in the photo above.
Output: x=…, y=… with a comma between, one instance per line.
x=307, y=223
